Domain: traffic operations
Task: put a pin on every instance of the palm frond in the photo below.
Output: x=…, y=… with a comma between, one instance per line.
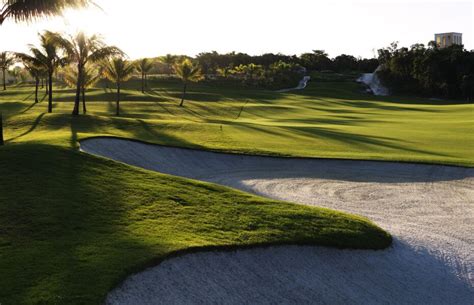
x=90, y=77
x=6, y=60
x=59, y=41
x=144, y=65
x=188, y=71
x=104, y=53
x=27, y=10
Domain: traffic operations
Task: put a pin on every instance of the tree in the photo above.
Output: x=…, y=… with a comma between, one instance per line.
x=1, y=129
x=250, y=74
x=431, y=71
x=344, y=63
x=27, y=10
x=467, y=86
x=188, y=72
x=35, y=68
x=90, y=77
x=80, y=51
x=47, y=56
x=118, y=71
x=6, y=61
x=283, y=75
x=169, y=60
x=318, y=60
x=144, y=66
x=35, y=72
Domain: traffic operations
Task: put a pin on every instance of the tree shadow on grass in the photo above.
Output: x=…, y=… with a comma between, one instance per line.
x=366, y=142
x=31, y=129
x=153, y=134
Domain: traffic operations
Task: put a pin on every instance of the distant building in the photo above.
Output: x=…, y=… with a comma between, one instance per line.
x=444, y=40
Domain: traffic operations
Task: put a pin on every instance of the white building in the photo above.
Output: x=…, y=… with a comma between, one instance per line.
x=444, y=40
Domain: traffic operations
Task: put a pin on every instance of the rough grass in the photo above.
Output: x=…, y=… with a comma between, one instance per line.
x=72, y=225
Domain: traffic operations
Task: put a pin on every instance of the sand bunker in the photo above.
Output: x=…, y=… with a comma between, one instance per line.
x=429, y=210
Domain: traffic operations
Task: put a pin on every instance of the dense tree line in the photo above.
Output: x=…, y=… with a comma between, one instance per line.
x=431, y=70
x=317, y=60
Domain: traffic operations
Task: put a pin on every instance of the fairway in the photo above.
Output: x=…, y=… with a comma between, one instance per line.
x=328, y=120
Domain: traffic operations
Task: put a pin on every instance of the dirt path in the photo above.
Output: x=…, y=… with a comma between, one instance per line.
x=428, y=209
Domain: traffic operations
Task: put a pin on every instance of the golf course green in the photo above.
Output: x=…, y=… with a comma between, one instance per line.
x=98, y=221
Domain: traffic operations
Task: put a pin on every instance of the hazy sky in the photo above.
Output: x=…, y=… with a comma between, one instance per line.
x=146, y=28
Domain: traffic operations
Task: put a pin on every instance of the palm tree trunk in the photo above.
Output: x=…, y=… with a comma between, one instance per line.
x=42, y=83
x=77, y=99
x=146, y=81
x=84, y=109
x=36, y=89
x=143, y=82
x=1, y=129
x=118, y=99
x=184, y=95
x=4, y=79
x=50, y=92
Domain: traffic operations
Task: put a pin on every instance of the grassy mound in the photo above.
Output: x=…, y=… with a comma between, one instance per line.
x=72, y=225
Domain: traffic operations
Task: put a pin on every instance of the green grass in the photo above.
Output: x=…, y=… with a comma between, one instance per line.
x=329, y=120
x=72, y=226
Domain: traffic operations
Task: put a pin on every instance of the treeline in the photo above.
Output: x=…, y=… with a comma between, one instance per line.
x=80, y=61
x=213, y=63
x=278, y=70
x=268, y=70
x=272, y=71
x=430, y=71
x=318, y=60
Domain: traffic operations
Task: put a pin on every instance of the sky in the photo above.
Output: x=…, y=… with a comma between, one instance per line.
x=150, y=28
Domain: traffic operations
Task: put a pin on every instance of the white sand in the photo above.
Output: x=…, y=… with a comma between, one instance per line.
x=428, y=209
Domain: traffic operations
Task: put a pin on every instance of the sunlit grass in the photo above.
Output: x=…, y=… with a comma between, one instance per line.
x=330, y=120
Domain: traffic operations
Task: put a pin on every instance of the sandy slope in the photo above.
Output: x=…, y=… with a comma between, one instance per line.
x=429, y=210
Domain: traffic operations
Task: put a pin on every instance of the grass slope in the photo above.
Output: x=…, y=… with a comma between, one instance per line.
x=72, y=225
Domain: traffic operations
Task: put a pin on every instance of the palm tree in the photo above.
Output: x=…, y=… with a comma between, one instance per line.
x=35, y=72
x=118, y=70
x=80, y=51
x=144, y=66
x=188, y=72
x=46, y=56
x=1, y=129
x=35, y=69
x=169, y=60
x=27, y=10
x=90, y=77
x=6, y=61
